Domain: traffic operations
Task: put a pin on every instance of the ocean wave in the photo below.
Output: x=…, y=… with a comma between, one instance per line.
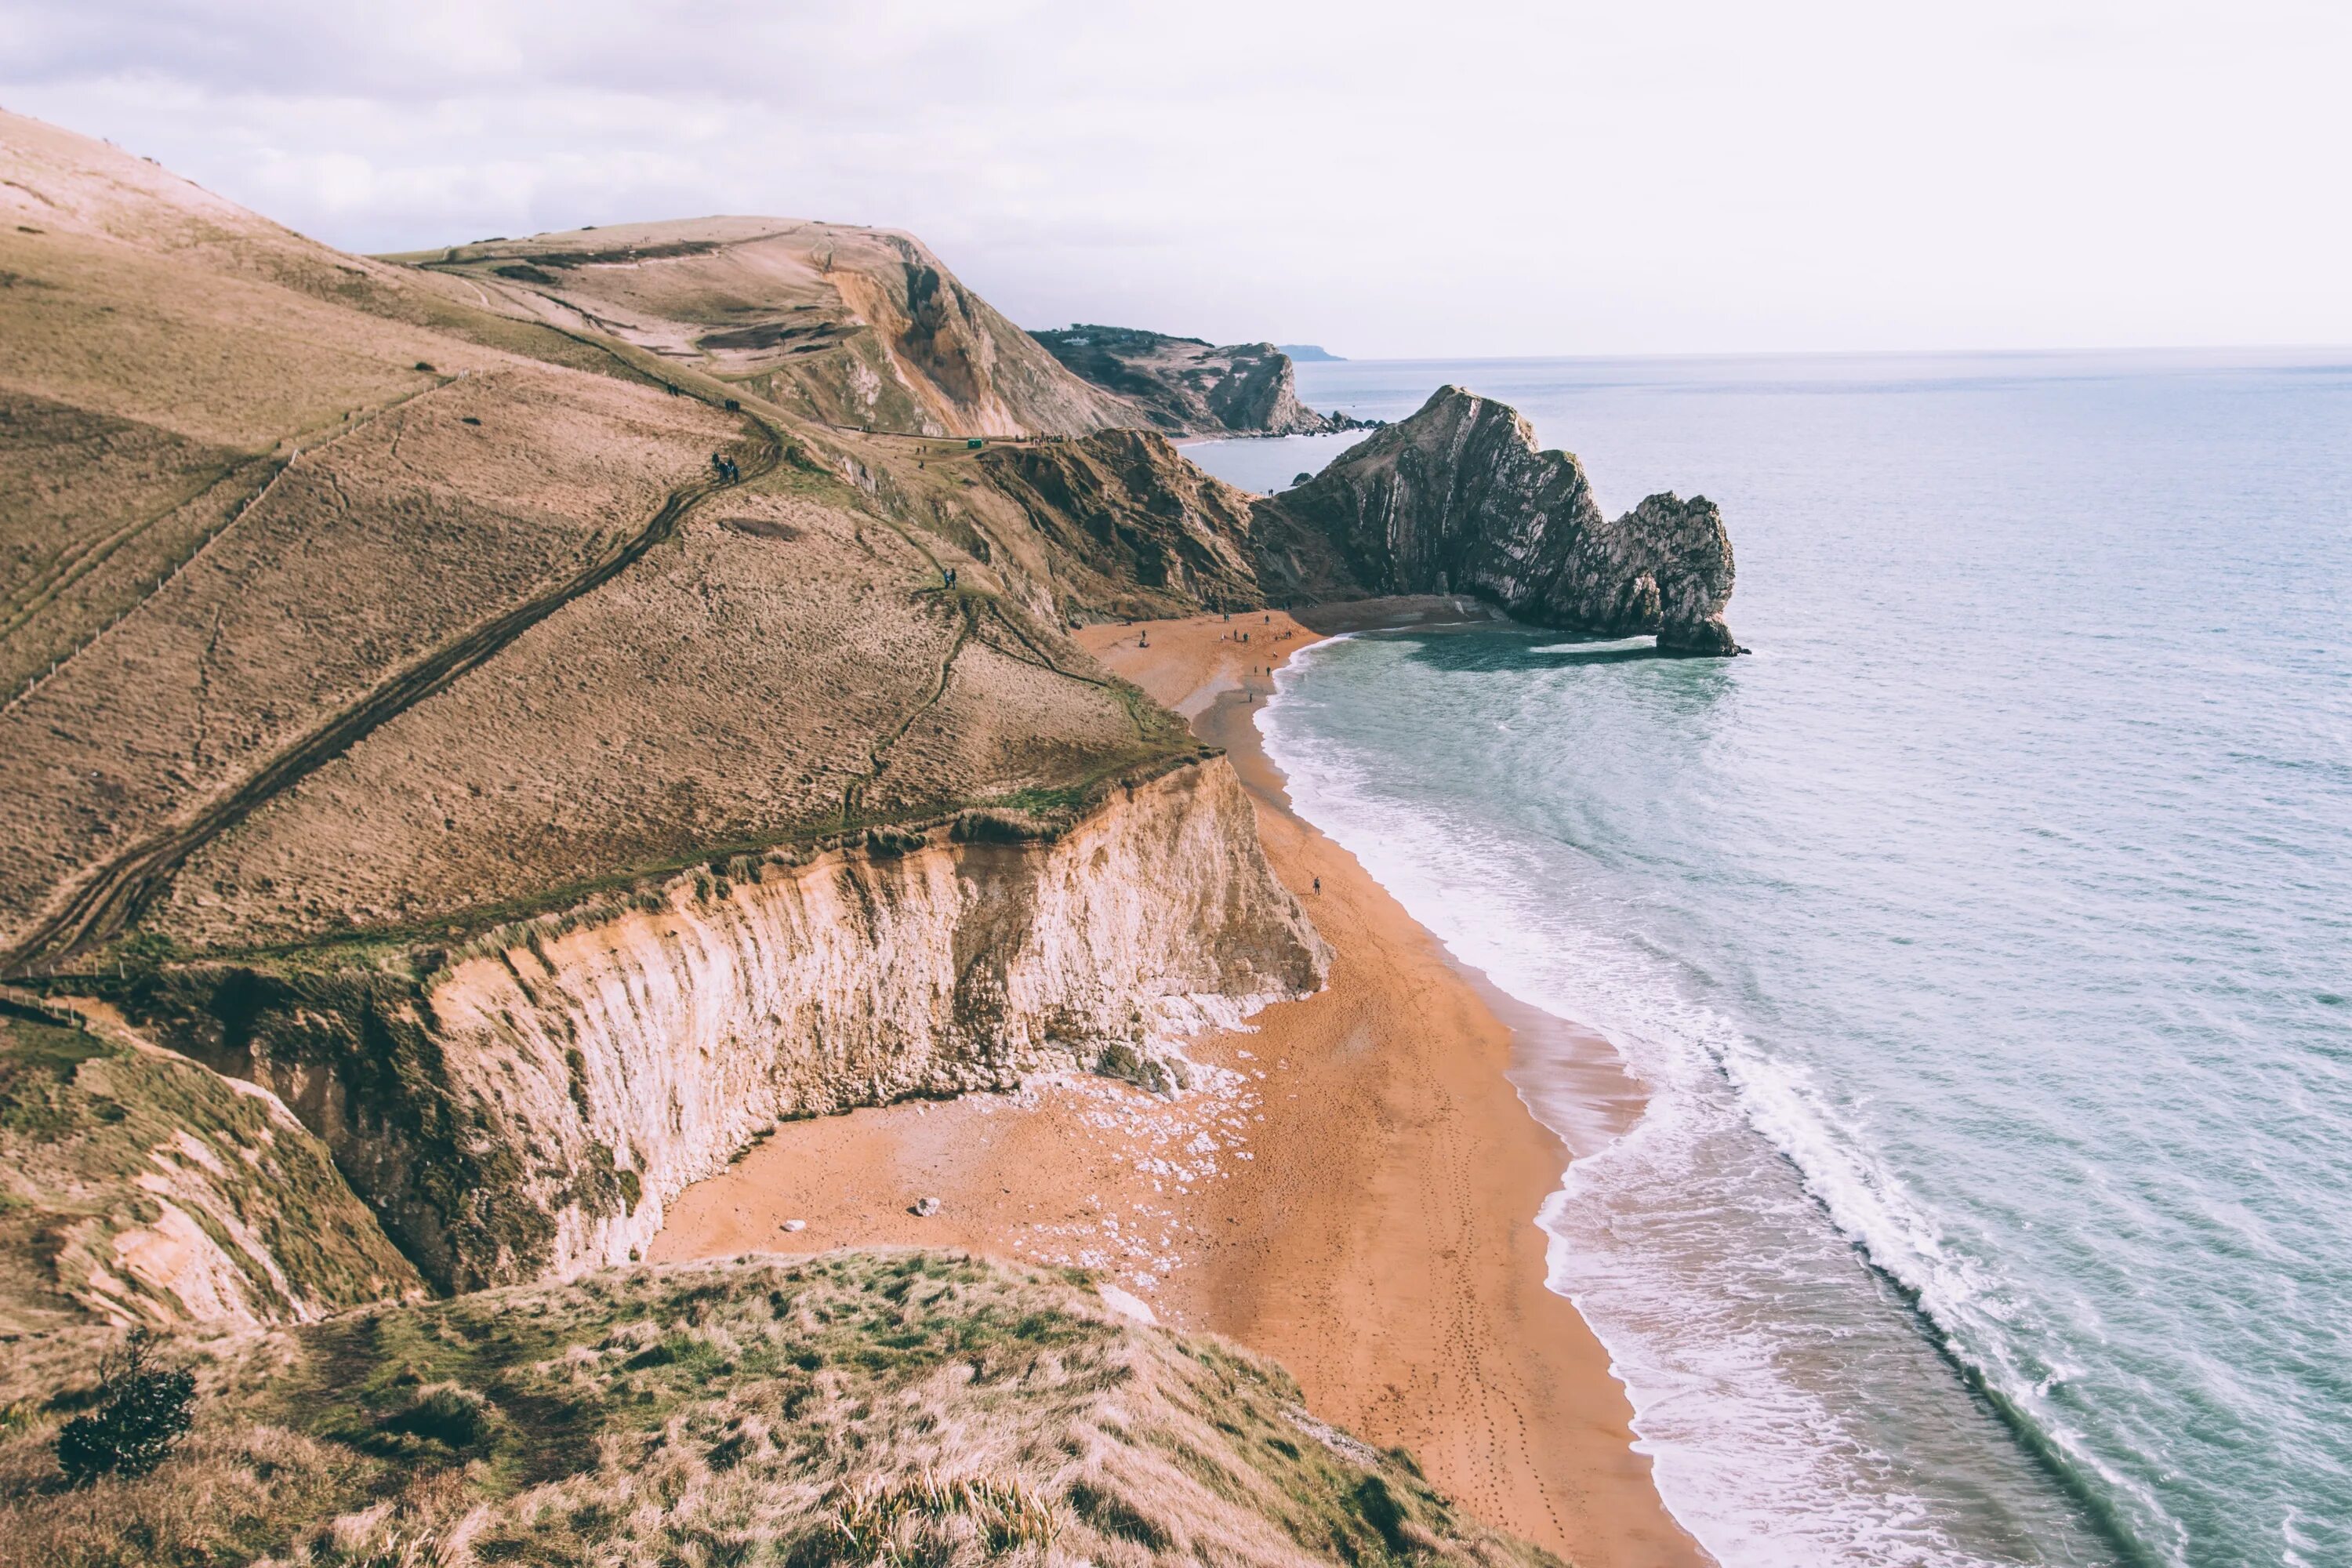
x=1768, y=1469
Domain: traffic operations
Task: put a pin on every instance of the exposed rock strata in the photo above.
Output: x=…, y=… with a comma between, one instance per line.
x=532, y=1112
x=1135, y=529
x=1187, y=386
x=1457, y=498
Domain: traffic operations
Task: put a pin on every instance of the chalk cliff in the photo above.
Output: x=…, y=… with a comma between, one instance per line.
x=530, y=1110
x=1457, y=498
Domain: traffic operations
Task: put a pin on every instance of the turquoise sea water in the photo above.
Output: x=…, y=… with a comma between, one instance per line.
x=1985, y=939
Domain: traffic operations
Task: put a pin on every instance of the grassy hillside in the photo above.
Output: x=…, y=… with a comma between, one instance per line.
x=859, y=328
x=136, y=1186
x=356, y=597
x=859, y=1408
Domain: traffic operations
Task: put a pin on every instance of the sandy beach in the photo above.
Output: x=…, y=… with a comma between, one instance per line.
x=1353, y=1193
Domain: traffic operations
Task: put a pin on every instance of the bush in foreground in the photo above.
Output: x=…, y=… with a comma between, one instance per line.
x=143, y=1413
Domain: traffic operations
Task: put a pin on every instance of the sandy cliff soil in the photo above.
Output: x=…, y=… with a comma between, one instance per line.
x=1353, y=1189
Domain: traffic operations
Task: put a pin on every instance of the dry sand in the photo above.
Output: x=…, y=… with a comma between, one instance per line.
x=1354, y=1193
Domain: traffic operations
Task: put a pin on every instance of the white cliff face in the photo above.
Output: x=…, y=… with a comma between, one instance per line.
x=658, y=1043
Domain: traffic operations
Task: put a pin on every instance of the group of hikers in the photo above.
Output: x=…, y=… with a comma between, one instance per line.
x=725, y=467
x=949, y=574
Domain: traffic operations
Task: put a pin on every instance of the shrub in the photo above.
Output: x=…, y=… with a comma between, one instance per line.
x=144, y=952
x=142, y=1412
x=987, y=826
x=883, y=843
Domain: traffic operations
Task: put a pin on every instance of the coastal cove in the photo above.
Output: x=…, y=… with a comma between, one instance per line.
x=772, y=891
x=1978, y=941
x=651, y=693
x=1349, y=1187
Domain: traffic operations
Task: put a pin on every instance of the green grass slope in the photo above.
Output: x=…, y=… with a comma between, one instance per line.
x=136, y=1186
x=858, y=1407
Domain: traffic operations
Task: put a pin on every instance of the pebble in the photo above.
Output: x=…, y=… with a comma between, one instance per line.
x=793, y=1225
x=926, y=1206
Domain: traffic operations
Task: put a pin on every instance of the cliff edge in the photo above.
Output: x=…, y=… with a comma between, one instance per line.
x=1457, y=498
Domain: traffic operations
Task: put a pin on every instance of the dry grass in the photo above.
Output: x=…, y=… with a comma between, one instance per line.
x=897, y=1408
x=854, y=327
x=791, y=650
x=723, y=697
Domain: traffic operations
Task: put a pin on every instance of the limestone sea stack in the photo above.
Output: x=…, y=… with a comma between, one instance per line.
x=1458, y=499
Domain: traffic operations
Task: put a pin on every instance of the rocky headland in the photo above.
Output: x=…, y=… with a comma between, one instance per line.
x=1457, y=498
x=1188, y=387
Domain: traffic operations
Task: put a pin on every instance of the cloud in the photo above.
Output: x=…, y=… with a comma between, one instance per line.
x=1485, y=177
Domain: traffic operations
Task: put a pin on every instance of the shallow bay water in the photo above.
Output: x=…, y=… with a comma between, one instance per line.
x=1985, y=939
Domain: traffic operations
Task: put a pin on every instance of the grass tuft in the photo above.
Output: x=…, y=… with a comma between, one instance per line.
x=877, y=1408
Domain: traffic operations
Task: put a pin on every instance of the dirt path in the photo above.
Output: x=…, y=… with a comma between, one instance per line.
x=113, y=898
x=878, y=754
x=259, y=476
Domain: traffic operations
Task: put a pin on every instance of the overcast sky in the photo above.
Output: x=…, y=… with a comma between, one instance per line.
x=1436, y=177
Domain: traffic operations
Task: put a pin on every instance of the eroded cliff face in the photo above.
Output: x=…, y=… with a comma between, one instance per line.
x=532, y=1111
x=1457, y=498
x=1261, y=394
x=1134, y=531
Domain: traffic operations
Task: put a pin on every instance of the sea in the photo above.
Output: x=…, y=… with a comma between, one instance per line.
x=1983, y=938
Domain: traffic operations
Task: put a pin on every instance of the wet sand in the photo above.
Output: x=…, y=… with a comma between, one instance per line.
x=1354, y=1195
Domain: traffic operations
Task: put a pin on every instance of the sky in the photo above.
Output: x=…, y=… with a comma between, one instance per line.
x=1440, y=178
